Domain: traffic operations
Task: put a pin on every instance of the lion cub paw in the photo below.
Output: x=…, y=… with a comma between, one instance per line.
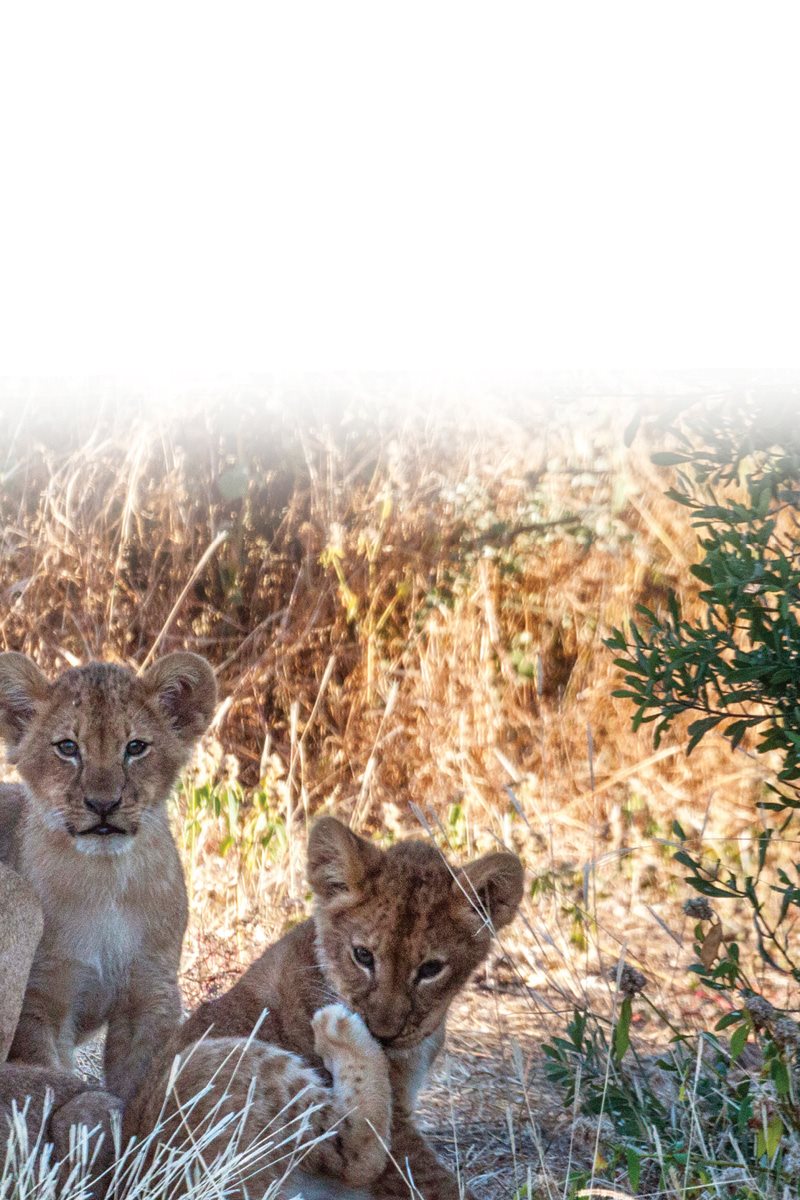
x=339, y=1033
x=361, y=1094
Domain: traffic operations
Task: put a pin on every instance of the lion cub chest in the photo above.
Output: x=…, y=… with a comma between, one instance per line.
x=102, y=941
x=92, y=936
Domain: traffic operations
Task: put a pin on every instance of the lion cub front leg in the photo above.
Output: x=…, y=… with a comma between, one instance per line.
x=360, y=1107
x=43, y=1036
x=91, y=1116
x=139, y=1026
x=416, y=1170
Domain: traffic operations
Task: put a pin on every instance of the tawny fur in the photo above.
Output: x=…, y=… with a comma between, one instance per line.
x=21, y=924
x=53, y=1102
x=56, y=1103
x=286, y=1102
x=114, y=904
x=407, y=907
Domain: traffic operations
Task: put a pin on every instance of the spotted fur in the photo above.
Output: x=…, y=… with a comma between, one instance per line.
x=293, y=1118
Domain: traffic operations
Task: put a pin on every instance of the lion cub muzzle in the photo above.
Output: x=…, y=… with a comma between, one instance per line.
x=103, y=827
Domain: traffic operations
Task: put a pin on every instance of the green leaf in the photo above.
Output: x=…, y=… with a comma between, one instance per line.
x=698, y=730
x=738, y=1040
x=634, y=1163
x=779, y=1073
x=622, y=1030
x=680, y=498
x=773, y=1136
x=708, y=889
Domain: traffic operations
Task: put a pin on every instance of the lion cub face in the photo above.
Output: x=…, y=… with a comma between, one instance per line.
x=398, y=931
x=100, y=747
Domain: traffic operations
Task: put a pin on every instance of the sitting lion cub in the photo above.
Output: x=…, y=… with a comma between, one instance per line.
x=99, y=750
x=395, y=936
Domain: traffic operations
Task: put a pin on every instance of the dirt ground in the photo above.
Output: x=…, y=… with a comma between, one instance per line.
x=490, y=1109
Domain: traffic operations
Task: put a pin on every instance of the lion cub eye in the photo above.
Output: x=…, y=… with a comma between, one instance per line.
x=430, y=969
x=136, y=748
x=67, y=748
x=364, y=957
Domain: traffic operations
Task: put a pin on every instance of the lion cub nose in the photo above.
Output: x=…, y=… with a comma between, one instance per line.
x=101, y=807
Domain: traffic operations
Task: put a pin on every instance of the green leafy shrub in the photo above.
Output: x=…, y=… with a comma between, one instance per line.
x=731, y=1122
x=738, y=669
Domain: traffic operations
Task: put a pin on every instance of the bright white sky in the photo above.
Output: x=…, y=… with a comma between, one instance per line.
x=197, y=188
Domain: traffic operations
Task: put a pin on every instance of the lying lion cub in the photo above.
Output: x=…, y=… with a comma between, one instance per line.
x=99, y=750
x=395, y=936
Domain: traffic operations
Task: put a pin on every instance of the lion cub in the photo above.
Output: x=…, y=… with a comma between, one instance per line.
x=99, y=750
x=395, y=936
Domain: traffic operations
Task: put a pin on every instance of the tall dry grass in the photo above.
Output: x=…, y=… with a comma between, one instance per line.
x=402, y=601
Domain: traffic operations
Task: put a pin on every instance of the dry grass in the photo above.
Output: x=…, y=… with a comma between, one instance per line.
x=406, y=609
x=382, y=590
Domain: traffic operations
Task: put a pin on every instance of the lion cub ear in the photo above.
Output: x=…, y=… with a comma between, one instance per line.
x=22, y=687
x=338, y=859
x=493, y=886
x=186, y=689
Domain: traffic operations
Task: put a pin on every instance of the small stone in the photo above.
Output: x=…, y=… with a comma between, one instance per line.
x=699, y=908
x=631, y=981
